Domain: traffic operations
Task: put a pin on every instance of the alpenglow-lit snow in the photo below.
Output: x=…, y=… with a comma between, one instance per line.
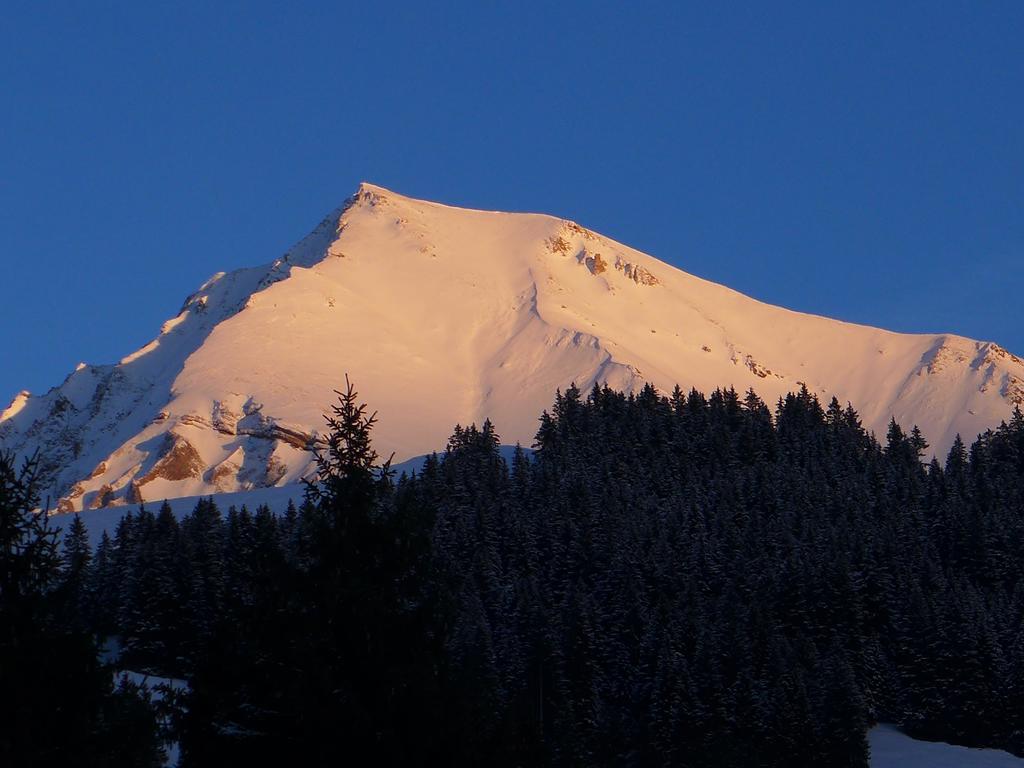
x=443, y=315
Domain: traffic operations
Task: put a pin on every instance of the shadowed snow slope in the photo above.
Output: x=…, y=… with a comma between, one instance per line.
x=892, y=749
x=444, y=315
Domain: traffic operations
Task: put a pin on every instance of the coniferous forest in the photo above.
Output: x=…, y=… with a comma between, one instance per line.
x=681, y=580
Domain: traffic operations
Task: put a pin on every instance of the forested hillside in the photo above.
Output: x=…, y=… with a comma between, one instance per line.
x=681, y=580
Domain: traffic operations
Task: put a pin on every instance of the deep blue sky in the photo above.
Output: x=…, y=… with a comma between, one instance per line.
x=864, y=161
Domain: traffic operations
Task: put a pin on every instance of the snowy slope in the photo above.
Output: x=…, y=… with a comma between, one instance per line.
x=445, y=315
x=892, y=749
x=98, y=521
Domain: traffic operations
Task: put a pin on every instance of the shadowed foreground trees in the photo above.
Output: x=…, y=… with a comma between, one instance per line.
x=57, y=702
x=687, y=580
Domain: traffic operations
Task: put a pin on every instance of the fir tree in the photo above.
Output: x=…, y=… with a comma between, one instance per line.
x=57, y=706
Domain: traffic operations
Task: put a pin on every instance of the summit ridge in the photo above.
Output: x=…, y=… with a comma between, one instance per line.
x=445, y=315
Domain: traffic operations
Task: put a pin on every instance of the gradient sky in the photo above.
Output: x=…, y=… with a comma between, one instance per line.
x=856, y=160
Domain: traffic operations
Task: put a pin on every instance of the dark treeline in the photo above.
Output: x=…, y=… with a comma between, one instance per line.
x=59, y=705
x=679, y=581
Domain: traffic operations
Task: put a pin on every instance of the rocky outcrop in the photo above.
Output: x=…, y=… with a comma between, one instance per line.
x=756, y=368
x=67, y=504
x=256, y=424
x=224, y=419
x=296, y=438
x=1013, y=389
x=194, y=420
x=103, y=497
x=944, y=356
x=596, y=264
x=636, y=273
x=276, y=470
x=133, y=495
x=179, y=461
x=572, y=228
x=224, y=477
x=995, y=352
x=558, y=245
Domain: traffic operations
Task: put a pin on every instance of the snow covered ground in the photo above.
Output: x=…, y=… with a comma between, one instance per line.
x=277, y=498
x=156, y=686
x=892, y=749
x=100, y=520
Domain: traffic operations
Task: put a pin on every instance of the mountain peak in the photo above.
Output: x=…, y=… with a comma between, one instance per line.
x=17, y=403
x=374, y=195
x=368, y=192
x=445, y=315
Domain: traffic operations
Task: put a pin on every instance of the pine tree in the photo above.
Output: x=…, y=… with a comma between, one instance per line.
x=76, y=559
x=103, y=589
x=57, y=704
x=667, y=580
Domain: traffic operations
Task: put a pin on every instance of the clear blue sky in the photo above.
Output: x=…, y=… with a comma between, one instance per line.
x=859, y=160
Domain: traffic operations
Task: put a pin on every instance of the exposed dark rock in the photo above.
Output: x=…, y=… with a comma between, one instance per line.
x=133, y=495
x=223, y=476
x=180, y=461
x=224, y=419
x=255, y=424
x=756, y=368
x=195, y=420
x=558, y=245
x=293, y=437
x=103, y=497
x=596, y=264
x=636, y=273
x=576, y=229
x=275, y=471
x=1013, y=389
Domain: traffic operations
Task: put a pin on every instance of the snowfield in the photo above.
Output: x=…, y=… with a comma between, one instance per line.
x=276, y=498
x=892, y=749
x=444, y=315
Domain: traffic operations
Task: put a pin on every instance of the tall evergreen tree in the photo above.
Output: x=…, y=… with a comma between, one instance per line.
x=57, y=704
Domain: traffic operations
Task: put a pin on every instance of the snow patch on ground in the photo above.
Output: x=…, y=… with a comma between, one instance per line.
x=156, y=687
x=892, y=749
x=276, y=498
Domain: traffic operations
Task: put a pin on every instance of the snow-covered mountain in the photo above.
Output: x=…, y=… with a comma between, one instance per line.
x=444, y=315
